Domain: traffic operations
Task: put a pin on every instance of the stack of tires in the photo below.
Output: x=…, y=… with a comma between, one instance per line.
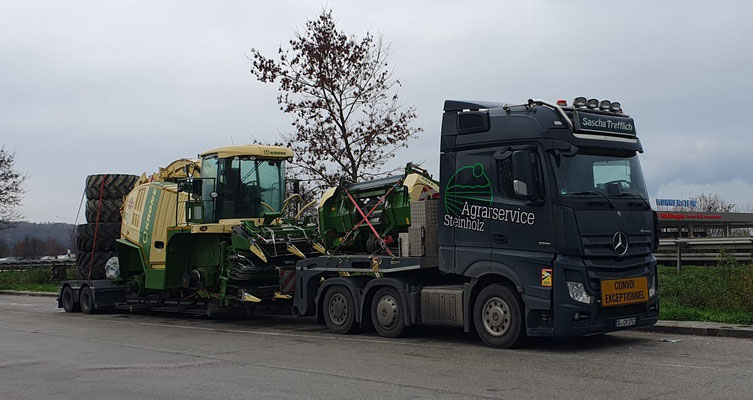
x=95, y=240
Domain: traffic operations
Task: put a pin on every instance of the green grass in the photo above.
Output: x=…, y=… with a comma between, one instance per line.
x=34, y=279
x=722, y=293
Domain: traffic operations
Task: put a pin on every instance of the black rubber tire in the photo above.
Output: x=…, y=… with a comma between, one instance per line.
x=115, y=185
x=69, y=300
x=87, y=300
x=109, y=211
x=83, y=261
x=339, y=310
x=105, y=230
x=387, y=313
x=499, y=304
x=84, y=243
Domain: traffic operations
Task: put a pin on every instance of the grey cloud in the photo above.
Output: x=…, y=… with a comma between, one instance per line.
x=169, y=79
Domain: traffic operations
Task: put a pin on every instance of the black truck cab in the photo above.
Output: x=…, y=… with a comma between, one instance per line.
x=550, y=199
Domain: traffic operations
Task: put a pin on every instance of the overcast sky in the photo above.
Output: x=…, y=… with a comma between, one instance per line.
x=104, y=87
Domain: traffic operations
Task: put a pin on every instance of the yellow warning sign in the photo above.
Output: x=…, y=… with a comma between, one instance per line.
x=546, y=277
x=617, y=292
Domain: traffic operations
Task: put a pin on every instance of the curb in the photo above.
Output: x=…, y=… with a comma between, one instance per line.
x=701, y=329
x=28, y=293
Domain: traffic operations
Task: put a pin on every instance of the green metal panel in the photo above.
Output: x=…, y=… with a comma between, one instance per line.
x=148, y=219
x=155, y=279
x=130, y=258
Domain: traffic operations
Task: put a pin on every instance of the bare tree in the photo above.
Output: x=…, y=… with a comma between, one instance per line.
x=11, y=189
x=342, y=94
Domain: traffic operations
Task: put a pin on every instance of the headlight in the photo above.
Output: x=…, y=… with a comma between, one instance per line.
x=652, y=288
x=578, y=292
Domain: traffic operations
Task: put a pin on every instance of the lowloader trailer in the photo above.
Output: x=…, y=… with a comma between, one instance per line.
x=538, y=226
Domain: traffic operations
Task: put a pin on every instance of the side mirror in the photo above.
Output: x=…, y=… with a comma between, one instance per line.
x=523, y=174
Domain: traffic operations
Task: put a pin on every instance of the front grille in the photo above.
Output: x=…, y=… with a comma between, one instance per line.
x=600, y=246
x=602, y=263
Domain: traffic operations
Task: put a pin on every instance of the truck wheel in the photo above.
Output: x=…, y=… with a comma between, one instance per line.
x=69, y=300
x=498, y=316
x=387, y=313
x=339, y=310
x=87, y=300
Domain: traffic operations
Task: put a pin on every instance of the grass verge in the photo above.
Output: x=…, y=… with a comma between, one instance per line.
x=33, y=279
x=722, y=293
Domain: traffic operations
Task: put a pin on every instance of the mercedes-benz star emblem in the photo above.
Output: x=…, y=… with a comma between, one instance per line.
x=620, y=243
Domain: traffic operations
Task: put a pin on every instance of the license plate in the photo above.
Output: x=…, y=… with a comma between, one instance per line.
x=623, y=322
x=617, y=292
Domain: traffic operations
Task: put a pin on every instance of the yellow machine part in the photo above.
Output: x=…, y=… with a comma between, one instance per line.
x=419, y=187
x=178, y=169
x=250, y=150
x=149, y=210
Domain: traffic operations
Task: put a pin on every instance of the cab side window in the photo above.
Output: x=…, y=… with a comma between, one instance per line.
x=505, y=175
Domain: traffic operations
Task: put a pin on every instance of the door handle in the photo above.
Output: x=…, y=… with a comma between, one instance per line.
x=499, y=238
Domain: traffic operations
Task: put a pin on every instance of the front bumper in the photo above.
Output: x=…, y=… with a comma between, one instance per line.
x=566, y=317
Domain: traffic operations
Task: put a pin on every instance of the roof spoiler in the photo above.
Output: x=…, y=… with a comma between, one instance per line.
x=460, y=105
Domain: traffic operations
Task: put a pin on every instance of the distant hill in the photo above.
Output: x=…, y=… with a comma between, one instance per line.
x=56, y=236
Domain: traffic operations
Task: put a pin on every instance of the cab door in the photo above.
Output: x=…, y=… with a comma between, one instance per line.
x=467, y=190
x=521, y=225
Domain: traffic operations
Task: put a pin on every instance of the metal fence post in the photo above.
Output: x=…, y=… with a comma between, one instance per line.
x=679, y=256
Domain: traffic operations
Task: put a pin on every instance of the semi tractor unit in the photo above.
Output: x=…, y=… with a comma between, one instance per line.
x=538, y=226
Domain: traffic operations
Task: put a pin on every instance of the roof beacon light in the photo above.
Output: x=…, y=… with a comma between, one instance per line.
x=605, y=105
x=615, y=106
x=579, y=102
x=592, y=103
x=562, y=103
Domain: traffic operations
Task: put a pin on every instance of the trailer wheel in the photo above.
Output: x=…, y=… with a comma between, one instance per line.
x=498, y=317
x=339, y=310
x=69, y=301
x=87, y=300
x=386, y=313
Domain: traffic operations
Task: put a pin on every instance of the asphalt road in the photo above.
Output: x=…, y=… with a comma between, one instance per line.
x=48, y=354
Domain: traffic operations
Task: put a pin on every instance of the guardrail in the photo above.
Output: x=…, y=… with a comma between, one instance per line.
x=703, y=250
x=58, y=268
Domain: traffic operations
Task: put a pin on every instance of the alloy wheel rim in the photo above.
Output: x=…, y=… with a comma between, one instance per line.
x=496, y=316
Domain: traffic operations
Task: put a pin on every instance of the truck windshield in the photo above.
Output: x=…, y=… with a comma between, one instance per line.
x=247, y=186
x=608, y=175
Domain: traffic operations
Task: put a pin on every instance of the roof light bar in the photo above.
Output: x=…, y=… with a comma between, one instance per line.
x=592, y=103
x=562, y=103
x=579, y=102
x=615, y=106
x=605, y=105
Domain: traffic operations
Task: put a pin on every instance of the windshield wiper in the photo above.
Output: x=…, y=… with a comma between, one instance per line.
x=640, y=196
x=596, y=192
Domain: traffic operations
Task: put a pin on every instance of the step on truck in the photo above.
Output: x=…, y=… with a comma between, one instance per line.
x=538, y=226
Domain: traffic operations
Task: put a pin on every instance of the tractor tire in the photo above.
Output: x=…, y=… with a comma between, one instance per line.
x=116, y=186
x=104, y=230
x=84, y=262
x=86, y=243
x=109, y=210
